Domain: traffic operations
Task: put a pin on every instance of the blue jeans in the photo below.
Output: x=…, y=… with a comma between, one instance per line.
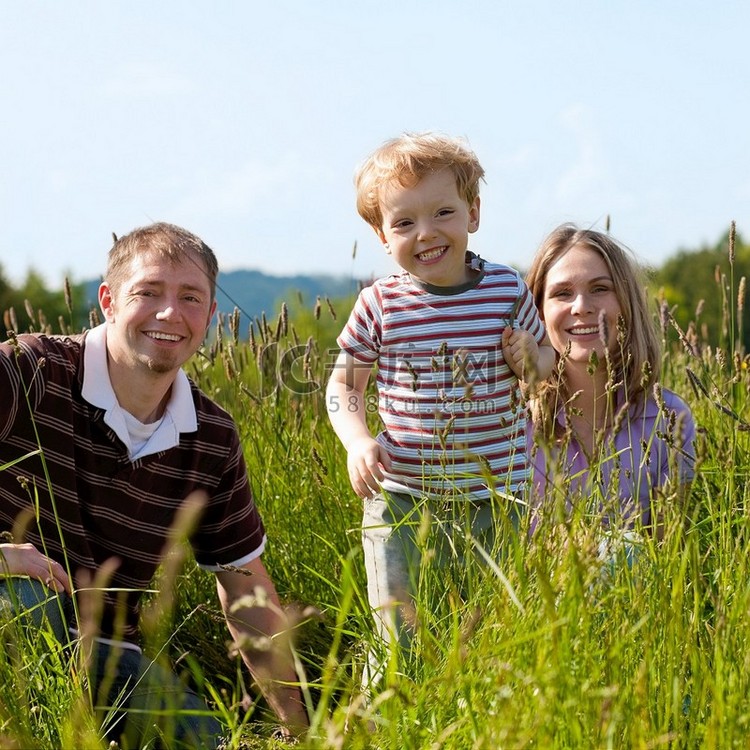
x=151, y=701
x=396, y=530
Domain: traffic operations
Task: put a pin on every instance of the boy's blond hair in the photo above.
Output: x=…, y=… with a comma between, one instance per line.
x=405, y=160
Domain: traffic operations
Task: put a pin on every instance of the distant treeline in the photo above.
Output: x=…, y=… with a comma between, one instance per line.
x=705, y=291
x=702, y=289
x=32, y=306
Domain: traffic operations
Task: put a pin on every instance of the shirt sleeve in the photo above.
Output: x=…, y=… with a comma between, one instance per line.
x=675, y=438
x=25, y=368
x=684, y=436
x=527, y=314
x=362, y=334
x=231, y=528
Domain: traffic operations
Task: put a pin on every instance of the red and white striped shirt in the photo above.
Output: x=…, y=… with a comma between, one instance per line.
x=449, y=402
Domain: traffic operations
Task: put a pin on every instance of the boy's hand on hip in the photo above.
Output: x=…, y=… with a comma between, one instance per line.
x=367, y=463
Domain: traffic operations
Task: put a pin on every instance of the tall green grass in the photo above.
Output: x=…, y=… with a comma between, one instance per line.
x=536, y=650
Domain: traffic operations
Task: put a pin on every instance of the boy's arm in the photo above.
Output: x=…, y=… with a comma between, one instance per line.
x=529, y=361
x=345, y=400
x=546, y=359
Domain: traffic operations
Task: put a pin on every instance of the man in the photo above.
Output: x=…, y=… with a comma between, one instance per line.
x=125, y=439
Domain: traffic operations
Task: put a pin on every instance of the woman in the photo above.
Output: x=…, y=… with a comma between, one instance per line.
x=604, y=433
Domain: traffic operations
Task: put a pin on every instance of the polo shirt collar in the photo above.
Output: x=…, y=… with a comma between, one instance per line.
x=179, y=416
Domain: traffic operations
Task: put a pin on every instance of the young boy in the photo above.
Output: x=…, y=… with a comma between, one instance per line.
x=451, y=336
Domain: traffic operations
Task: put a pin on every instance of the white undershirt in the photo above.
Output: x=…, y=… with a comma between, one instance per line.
x=139, y=433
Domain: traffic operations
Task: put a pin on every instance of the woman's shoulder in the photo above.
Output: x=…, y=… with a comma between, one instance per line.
x=667, y=404
x=670, y=399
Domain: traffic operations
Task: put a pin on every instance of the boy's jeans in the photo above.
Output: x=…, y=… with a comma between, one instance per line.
x=151, y=689
x=396, y=530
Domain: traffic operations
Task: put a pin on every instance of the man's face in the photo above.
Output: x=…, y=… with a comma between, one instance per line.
x=157, y=318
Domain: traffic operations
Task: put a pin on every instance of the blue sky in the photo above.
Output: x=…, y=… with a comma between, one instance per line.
x=244, y=123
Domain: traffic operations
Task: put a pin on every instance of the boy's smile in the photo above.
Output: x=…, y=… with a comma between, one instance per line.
x=426, y=228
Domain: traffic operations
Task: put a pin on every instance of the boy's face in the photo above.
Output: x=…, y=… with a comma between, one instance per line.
x=426, y=228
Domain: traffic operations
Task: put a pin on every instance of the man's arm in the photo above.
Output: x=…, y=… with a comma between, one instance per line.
x=260, y=630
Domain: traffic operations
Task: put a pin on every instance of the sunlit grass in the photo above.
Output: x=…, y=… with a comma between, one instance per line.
x=540, y=650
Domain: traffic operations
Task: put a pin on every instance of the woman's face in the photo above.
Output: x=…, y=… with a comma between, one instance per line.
x=579, y=289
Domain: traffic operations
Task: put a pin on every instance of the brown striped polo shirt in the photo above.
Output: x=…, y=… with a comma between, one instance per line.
x=102, y=505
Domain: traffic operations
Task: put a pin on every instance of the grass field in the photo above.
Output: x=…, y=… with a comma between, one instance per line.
x=539, y=651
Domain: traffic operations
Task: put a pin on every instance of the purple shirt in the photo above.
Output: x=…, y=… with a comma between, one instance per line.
x=650, y=448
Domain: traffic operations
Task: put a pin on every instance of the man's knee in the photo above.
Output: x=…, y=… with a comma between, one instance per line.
x=36, y=605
